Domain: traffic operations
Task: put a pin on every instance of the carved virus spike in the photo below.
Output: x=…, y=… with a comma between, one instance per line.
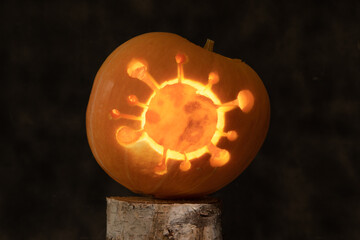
x=137, y=69
x=226, y=107
x=185, y=165
x=219, y=157
x=126, y=135
x=161, y=168
x=115, y=114
x=213, y=78
x=180, y=59
x=134, y=101
x=182, y=120
x=230, y=135
x=244, y=100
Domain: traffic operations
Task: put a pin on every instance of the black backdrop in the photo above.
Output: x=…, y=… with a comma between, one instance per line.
x=305, y=181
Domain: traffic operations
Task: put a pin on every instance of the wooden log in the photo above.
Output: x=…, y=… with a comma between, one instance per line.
x=147, y=218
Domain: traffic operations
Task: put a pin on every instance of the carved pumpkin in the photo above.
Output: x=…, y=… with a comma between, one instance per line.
x=171, y=119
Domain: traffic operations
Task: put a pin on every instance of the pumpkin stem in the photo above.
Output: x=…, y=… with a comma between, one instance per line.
x=209, y=45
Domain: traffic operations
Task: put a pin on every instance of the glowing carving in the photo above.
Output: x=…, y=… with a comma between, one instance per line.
x=182, y=120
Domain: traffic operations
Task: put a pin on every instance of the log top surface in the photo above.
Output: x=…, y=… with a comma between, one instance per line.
x=150, y=200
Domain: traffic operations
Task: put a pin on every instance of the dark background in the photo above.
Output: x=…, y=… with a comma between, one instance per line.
x=305, y=181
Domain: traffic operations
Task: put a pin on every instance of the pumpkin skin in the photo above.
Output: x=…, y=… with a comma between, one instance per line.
x=117, y=145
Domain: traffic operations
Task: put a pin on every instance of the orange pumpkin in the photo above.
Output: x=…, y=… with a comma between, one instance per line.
x=171, y=119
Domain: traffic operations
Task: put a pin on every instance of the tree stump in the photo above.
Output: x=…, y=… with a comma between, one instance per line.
x=146, y=218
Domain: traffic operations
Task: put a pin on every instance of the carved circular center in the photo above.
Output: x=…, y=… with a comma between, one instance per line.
x=180, y=119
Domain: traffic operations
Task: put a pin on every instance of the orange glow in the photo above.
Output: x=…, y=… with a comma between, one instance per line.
x=182, y=120
x=161, y=168
x=220, y=159
x=185, y=166
x=231, y=135
x=136, y=69
x=115, y=114
x=246, y=100
x=219, y=125
x=180, y=58
x=132, y=100
x=213, y=78
x=126, y=135
x=175, y=155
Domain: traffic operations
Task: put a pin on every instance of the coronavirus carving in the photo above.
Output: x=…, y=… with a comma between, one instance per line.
x=183, y=119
